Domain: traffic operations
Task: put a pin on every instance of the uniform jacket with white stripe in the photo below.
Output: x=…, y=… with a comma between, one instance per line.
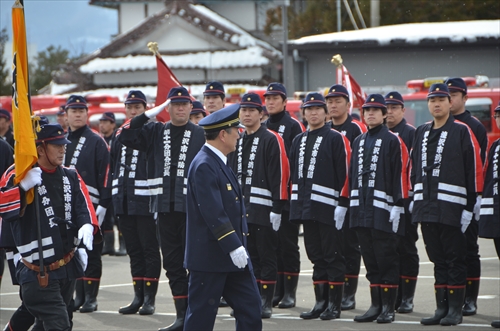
x=383, y=173
x=316, y=198
x=489, y=223
x=351, y=128
x=440, y=197
x=270, y=175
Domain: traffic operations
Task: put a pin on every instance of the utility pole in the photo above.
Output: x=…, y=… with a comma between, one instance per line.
x=284, y=19
x=374, y=13
x=339, y=23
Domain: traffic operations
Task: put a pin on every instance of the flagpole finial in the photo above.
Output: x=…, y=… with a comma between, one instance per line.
x=18, y=4
x=337, y=60
x=153, y=47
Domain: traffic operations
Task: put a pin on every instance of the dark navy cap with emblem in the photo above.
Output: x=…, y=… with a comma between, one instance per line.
x=498, y=107
x=251, y=100
x=198, y=108
x=179, y=94
x=214, y=88
x=374, y=101
x=108, y=116
x=394, y=98
x=275, y=88
x=227, y=117
x=61, y=111
x=438, y=90
x=337, y=91
x=52, y=134
x=76, y=101
x=456, y=84
x=135, y=96
x=314, y=99
x=4, y=113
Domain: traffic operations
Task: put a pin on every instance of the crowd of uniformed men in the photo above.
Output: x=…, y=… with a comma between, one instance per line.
x=359, y=190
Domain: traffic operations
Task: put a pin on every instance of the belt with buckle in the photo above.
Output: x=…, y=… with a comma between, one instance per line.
x=53, y=266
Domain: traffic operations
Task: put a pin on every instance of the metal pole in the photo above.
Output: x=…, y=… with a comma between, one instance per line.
x=339, y=23
x=374, y=13
x=284, y=15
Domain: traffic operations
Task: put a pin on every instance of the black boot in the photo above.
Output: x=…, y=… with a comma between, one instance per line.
x=496, y=324
x=138, y=300
x=350, y=288
x=407, y=291
x=388, y=294
x=321, y=294
x=442, y=307
x=456, y=297
x=122, y=250
x=150, y=290
x=375, y=307
x=180, y=307
x=109, y=243
x=79, y=295
x=471, y=293
x=332, y=311
x=91, y=289
x=291, y=281
x=267, y=294
x=279, y=290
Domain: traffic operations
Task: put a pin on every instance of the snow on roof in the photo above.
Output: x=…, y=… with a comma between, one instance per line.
x=245, y=58
x=412, y=33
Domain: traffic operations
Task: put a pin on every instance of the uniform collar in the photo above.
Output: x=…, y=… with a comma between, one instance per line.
x=217, y=152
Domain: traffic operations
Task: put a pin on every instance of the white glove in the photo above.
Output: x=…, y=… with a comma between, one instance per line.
x=410, y=208
x=33, y=177
x=396, y=212
x=275, y=220
x=82, y=258
x=239, y=257
x=465, y=221
x=477, y=208
x=100, y=212
x=85, y=233
x=156, y=110
x=339, y=216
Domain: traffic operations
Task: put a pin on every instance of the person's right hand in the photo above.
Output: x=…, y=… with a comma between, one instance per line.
x=33, y=177
x=239, y=257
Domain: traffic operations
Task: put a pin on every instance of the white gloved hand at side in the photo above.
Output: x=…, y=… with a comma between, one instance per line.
x=156, y=110
x=100, y=212
x=410, y=208
x=33, y=177
x=85, y=233
x=477, y=208
x=239, y=257
x=396, y=212
x=339, y=216
x=83, y=258
x=275, y=220
x=465, y=221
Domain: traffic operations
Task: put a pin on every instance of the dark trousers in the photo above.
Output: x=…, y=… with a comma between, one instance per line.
x=262, y=244
x=350, y=249
x=380, y=255
x=407, y=249
x=172, y=229
x=323, y=247
x=238, y=288
x=288, y=245
x=109, y=220
x=50, y=304
x=139, y=233
x=94, y=267
x=472, y=258
x=446, y=248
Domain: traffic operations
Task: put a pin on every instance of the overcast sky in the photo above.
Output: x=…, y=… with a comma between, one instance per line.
x=73, y=24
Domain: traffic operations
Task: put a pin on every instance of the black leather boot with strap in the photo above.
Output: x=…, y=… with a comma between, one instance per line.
x=181, y=304
x=441, y=304
x=138, y=300
x=150, y=290
x=456, y=296
x=321, y=294
x=332, y=311
x=375, y=307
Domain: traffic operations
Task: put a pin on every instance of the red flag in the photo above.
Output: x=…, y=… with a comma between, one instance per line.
x=356, y=93
x=166, y=80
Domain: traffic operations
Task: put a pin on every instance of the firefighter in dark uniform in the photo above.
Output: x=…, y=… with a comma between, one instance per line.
x=88, y=153
x=5, y=127
x=6, y=160
x=458, y=93
x=197, y=113
x=489, y=223
x=214, y=97
x=378, y=179
x=170, y=148
x=443, y=201
x=338, y=104
x=288, y=128
x=261, y=165
x=131, y=196
x=67, y=221
x=319, y=162
x=407, y=248
x=217, y=231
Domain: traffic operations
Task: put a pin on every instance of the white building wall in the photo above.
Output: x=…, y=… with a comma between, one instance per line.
x=155, y=7
x=240, y=12
x=130, y=15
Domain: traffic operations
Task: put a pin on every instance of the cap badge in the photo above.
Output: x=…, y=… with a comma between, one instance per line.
x=312, y=98
x=58, y=132
x=211, y=87
x=132, y=96
x=248, y=99
x=437, y=88
x=449, y=84
x=372, y=99
x=271, y=88
x=333, y=90
x=391, y=96
x=179, y=93
x=77, y=100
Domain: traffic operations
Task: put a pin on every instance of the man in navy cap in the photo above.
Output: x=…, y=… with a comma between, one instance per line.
x=5, y=128
x=170, y=148
x=443, y=201
x=407, y=248
x=214, y=97
x=107, y=126
x=68, y=224
x=338, y=104
x=458, y=93
x=378, y=184
x=288, y=128
x=319, y=160
x=89, y=154
x=197, y=113
x=62, y=119
x=217, y=231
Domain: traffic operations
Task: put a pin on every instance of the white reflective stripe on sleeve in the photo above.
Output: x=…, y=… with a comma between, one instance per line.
x=294, y=196
x=35, y=256
x=114, y=182
x=114, y=191
x=142, y=192
x=452, y=198
x=418, y=187
x=382, y=205
x=261, y=201
x=92, y=190
x=487, y=211
x=156, y=191
x=94, y=199
x=260, y=191
x=383, y=195
x=184, y=191
x=325, y=200
x=295, y=187
x=155, y=181
x=354, y=193
x=418, y=196
x=452, y=188
x=354, y=203
x=325, y=190
x=143, y=183
x=487, y=201
x=34, y=245
x=185, y=181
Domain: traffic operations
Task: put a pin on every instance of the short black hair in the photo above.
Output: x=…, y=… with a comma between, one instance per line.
x=336, y=96
x=222, y=96
x=324, y=107
x=212, y=135
x=384, y=110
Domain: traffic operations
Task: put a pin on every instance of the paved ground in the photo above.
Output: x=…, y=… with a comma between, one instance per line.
x=116, y=291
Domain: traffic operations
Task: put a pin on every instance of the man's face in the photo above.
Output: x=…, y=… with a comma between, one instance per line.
x=439, y=107
x=179, y=112
x=54, y=154
x=4, y=124
x=195, y=118
x=62, y=120
x=497, y=119
x=230, y=138
x=77, y=117
x=250, y=117
x=274, y=103
x=315, y=116
x=457, y=102
x=395, y=114
x=106, y=127
x=213, y=103
x=373, y=116
x=134, y=109
x=337, y=107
